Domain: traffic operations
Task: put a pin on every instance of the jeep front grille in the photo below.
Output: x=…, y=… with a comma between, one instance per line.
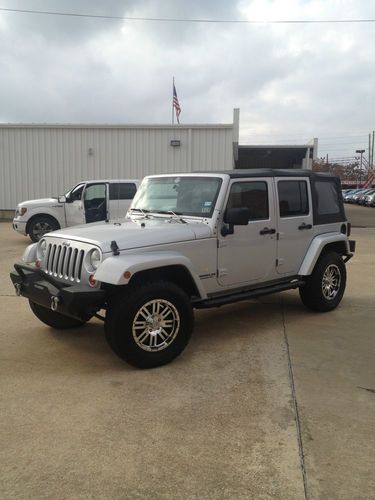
x=64, y=261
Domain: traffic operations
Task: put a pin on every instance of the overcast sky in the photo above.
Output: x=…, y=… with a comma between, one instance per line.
x=291, y=82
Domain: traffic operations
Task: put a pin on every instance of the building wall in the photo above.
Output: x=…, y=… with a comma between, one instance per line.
x=44, y=160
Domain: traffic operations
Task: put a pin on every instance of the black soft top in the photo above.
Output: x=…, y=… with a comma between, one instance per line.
x=336, y=213
x=270, y=172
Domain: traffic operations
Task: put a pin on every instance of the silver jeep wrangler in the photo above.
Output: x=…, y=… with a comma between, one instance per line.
x=190, y=241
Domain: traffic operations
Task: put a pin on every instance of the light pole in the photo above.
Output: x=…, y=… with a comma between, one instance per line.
x=360, y=151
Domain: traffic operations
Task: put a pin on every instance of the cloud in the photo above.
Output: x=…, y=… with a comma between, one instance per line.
x=290, y=81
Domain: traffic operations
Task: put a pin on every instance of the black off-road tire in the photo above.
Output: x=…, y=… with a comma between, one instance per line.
x=124, y=317
x=54, y=319
x=312, y=294
x=41, y=223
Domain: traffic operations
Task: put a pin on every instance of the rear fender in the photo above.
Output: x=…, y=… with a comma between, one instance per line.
x=317, y=246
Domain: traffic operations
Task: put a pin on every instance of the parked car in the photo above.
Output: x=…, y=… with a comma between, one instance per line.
x=190, y=241
x=352, y=198
x=370, y=199
x=362, y=198
x=359, y=197
x=348, y=195
x=88, y=201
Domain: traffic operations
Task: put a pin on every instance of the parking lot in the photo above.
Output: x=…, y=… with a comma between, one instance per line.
x=269, y=400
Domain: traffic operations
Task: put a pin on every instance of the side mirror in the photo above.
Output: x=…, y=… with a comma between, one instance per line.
x=62, y=199
x=235, y=217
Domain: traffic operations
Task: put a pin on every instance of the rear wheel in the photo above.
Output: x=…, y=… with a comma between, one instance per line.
x=325, y=287
x=54, y=319
x=150, y=325
x=40, y=225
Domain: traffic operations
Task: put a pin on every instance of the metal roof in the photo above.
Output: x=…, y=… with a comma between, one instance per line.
x=117, y=126
x=276, y=146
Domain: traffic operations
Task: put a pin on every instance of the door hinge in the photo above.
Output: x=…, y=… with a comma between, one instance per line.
x=277, y=262
x=277, y=236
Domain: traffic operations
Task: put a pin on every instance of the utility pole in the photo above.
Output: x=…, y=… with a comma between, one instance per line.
x=369, y=150
x=360, y=151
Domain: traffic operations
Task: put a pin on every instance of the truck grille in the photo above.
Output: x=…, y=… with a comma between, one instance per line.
x=64, y=262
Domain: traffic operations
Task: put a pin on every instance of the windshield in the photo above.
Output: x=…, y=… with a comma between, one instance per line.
x=75, y=193
x=194, y=196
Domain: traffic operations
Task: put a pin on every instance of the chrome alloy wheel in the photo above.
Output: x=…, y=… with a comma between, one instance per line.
x=156, y=325
x=331, y=282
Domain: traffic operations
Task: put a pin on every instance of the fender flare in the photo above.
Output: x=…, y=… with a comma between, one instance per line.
x=44, y=213
x=29, y=255
x=112, y=269
x=315, y=249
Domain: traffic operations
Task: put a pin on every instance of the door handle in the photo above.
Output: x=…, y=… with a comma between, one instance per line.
x=304, y=226
x=267, y=231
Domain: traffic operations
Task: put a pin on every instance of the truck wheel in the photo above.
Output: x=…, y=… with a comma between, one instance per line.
x=150, y=325
x=54, y=319
x=40, y=225
x=325, y=287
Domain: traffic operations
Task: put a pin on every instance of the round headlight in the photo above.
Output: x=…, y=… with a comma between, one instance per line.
x=42, y=248
x=95, y=258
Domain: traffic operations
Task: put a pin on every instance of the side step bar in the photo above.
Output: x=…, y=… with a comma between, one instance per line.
x=248, y=294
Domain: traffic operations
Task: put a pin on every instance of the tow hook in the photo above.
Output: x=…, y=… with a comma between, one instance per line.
x=54, y=302
x=17, y=286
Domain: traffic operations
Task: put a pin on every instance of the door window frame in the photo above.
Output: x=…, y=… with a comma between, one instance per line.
x=267, y=181
x=309, y=197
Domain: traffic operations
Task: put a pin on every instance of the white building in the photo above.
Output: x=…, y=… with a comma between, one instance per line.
x=43, y=160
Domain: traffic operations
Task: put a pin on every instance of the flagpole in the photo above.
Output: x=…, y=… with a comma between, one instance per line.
x=172, y=103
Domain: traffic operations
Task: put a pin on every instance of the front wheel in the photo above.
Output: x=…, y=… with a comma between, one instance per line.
x=325, y=287
x=40, y=225
x=150, y=325
x=54, y=319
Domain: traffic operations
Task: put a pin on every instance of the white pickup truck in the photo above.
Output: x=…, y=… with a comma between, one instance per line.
x=88, y=201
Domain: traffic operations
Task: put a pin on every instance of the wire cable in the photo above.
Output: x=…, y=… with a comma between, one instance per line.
x=181, y=20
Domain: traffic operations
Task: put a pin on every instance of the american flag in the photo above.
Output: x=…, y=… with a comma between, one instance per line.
x=176, y=104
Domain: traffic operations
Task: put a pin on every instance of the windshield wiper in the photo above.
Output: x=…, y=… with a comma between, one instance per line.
x=177, y=215
x=140, y=210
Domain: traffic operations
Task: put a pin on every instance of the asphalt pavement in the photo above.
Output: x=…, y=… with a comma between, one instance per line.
x=360, y=216
x=269, y=400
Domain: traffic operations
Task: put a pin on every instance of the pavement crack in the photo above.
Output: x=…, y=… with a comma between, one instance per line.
x=295, y=406
x=366, y=389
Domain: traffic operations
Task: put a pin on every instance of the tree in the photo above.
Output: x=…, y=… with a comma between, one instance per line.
x=349, y=172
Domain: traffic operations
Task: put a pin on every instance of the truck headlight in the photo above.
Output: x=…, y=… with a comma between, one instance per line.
x=95, y=258
x=20, y=211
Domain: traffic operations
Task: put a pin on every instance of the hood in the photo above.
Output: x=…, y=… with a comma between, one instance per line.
x=135, y=233
x=42, y=202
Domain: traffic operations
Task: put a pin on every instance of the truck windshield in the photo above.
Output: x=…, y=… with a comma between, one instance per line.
x=194, y=196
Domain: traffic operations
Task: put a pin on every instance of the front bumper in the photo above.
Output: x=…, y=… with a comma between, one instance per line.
x=19, y=226
x=76, y=301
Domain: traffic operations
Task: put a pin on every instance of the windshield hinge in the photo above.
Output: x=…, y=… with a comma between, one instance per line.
x=115, y=248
